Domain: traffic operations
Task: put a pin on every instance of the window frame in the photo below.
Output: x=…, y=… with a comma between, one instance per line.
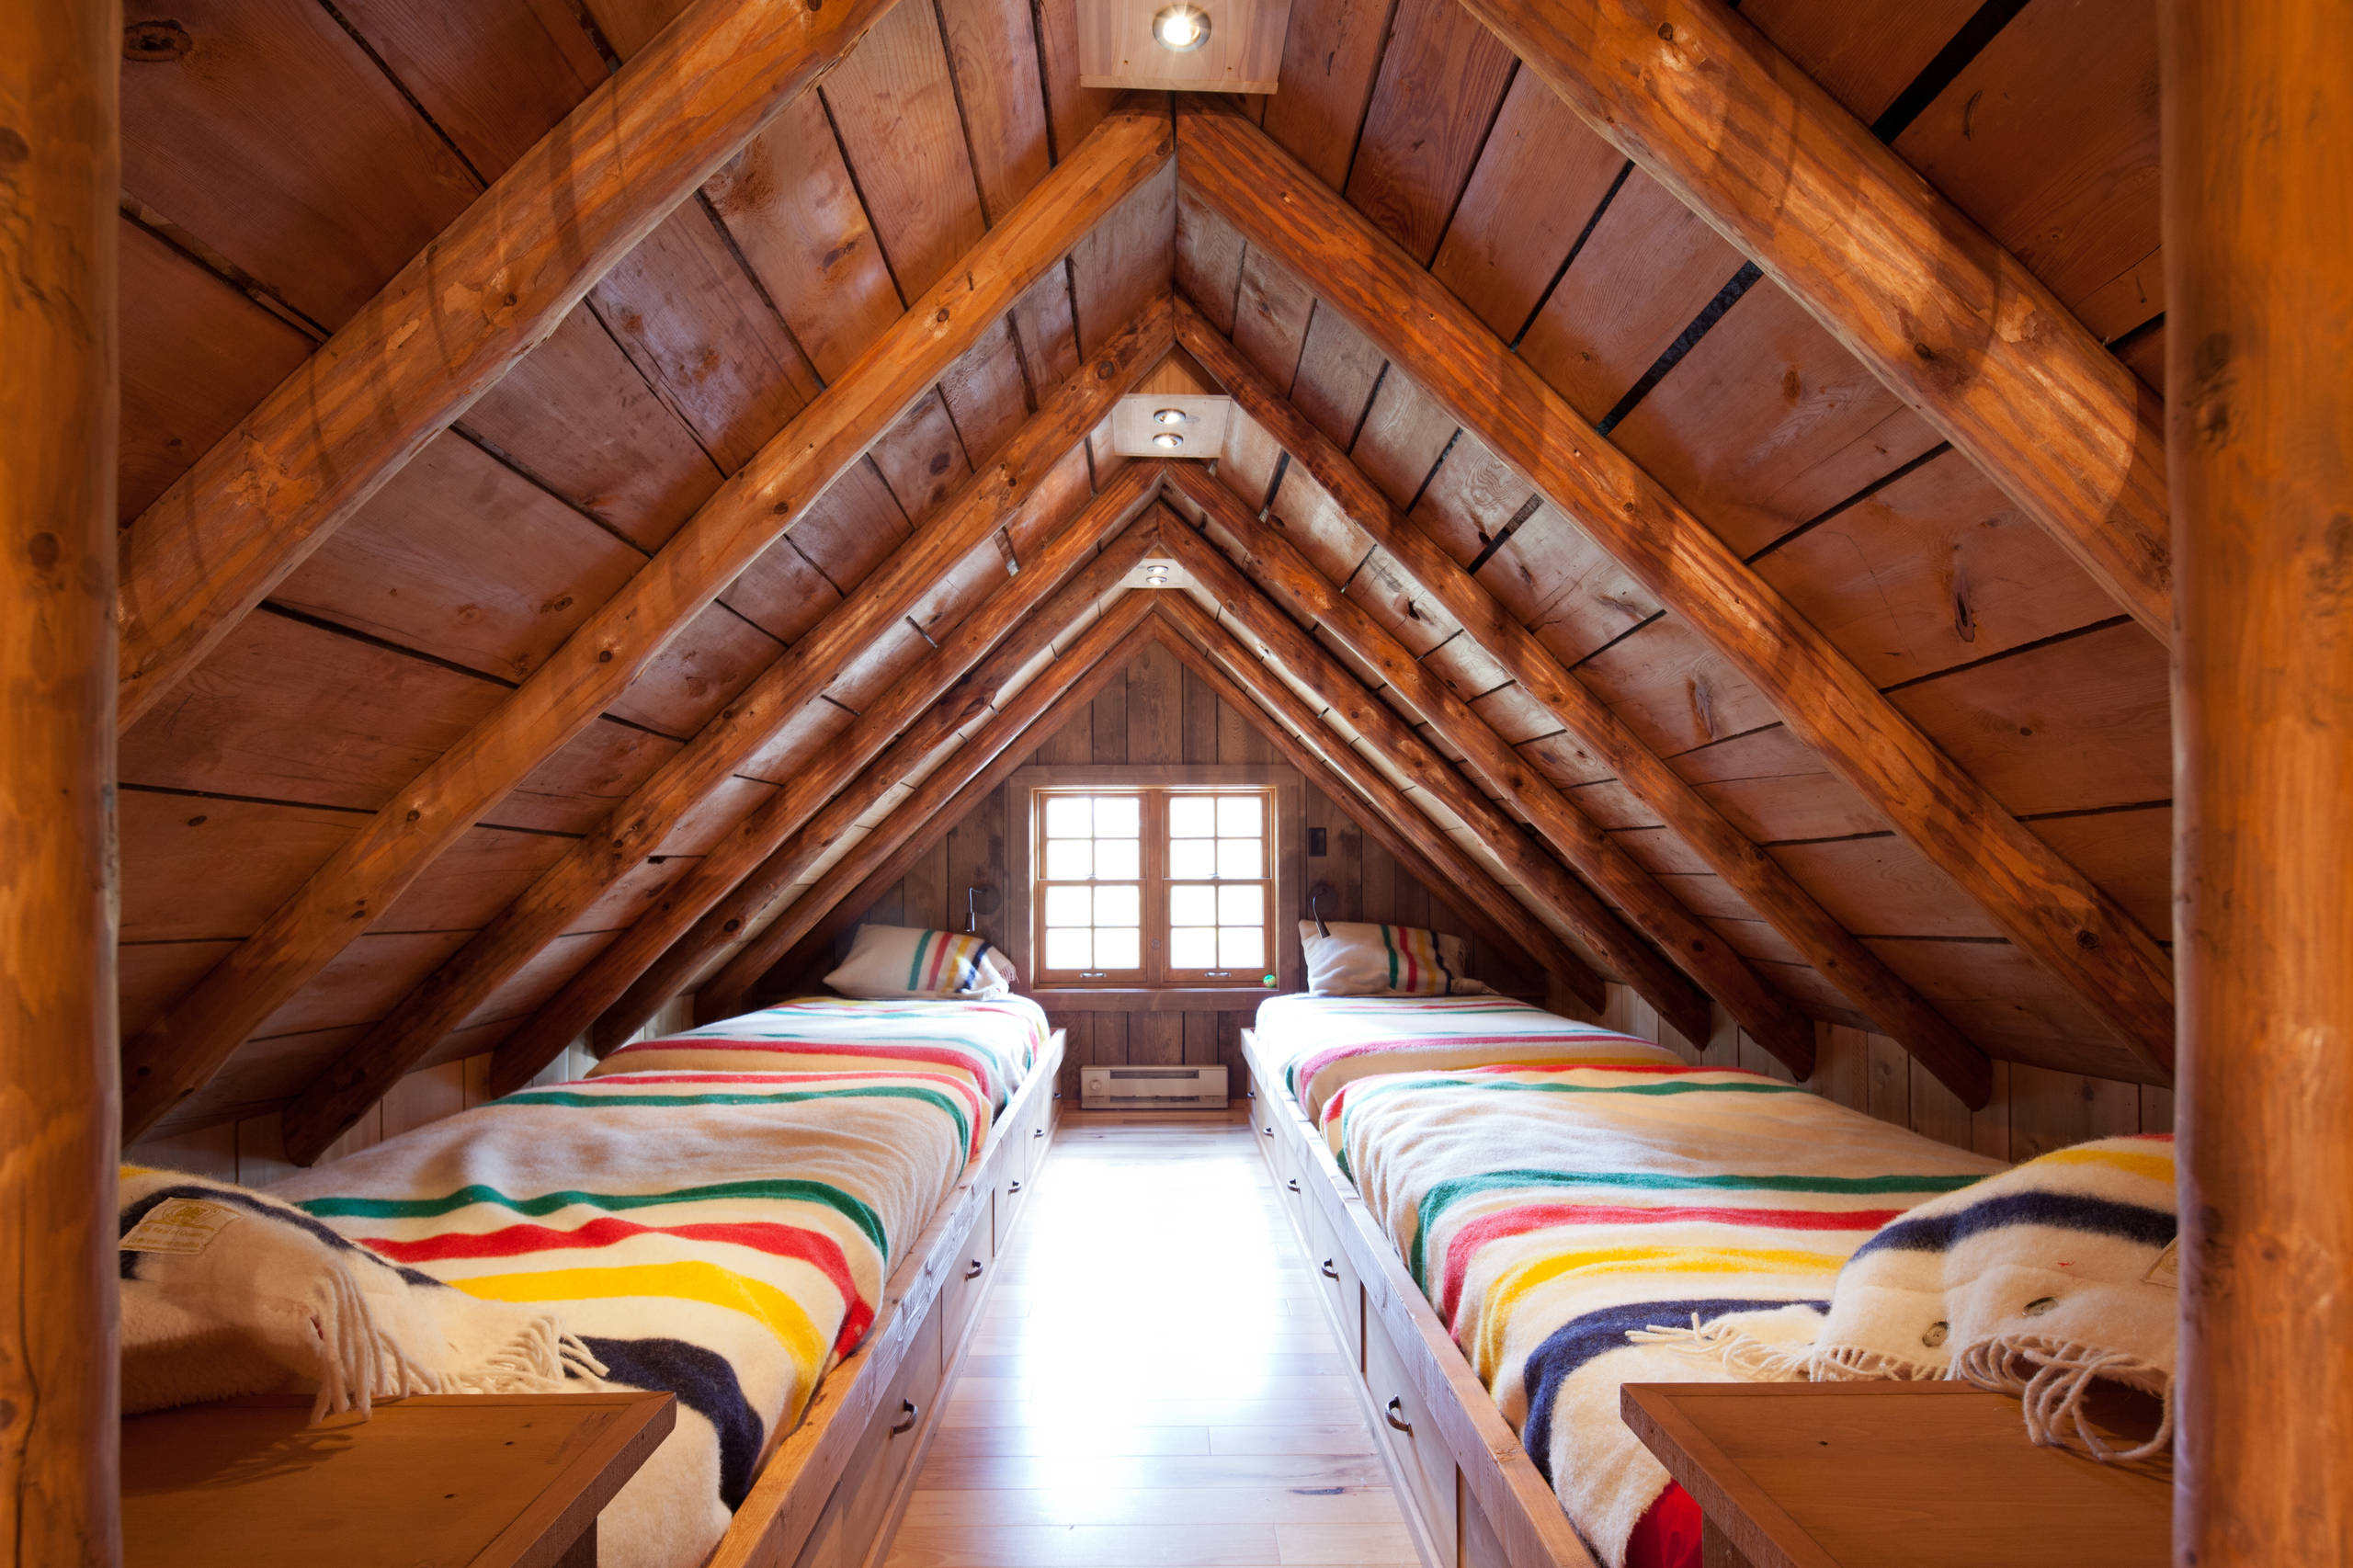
x=1287, y=836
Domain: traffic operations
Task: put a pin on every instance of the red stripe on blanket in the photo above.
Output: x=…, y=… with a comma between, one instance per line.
x=1315, y=1062
x=814, y=1248
x=1667, y=1535
x=951, y=1056
x=1545, y=1216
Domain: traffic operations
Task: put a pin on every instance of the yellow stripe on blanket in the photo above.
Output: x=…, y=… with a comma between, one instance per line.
x=2149, y=1167
x=688, y=1281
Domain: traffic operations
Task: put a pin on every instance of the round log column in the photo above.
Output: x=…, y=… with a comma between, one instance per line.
x=2259, y=237
x=59, y=1100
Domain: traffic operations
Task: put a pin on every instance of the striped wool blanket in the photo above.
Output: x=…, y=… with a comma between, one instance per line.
x=1548, y=1212
x=724, y=1236
x=990, y=1045
x=1325, y=1042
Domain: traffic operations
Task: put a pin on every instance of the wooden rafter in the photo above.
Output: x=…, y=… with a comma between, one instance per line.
x=1372, y=801
x=1240, y=599
x=1287, y=577
x=639, y=826
x=455, y=318
x=2051, y=910
x=652, y=960
x=970, y=772
x=1953, y=324
x=1748, y=870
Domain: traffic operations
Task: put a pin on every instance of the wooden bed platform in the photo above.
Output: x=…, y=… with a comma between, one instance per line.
x=1475, y=1498
x=830, y=1490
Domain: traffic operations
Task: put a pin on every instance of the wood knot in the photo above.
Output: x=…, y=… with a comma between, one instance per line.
x=2087, y=940
x=604, y=656
x=1666, y=32
x=156, y=42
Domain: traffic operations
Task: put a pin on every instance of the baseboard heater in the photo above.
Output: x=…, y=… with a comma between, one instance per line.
x=1151, y=1088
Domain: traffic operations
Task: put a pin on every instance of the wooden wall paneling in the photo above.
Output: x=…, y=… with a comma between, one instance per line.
x=1442, y=80
x=2038, y=899
x=2260, y=420
x=1109, y=733
x=59, y=1089
x=493, y=76
x=921, y=458
x=698, y=672
x=1272, y=306
x=789, y=203
x=992, y=49
x=564, y=694
x=1198, y=743
x=1154, y=717
x=1126, y=260
x=197, y=353
x=1208, y=266
x=2125, y=850
x=1157, y=1040
x=987, y=394
x=1776, y=164
x=894, y=105
x=197, y=869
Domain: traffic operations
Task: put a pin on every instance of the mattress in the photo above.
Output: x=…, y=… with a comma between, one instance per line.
x=721, y=1235
x=1549, y=1212
x=1323, y=1043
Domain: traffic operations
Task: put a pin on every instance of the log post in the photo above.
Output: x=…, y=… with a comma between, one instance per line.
x=2258, y=164
x=61, y=167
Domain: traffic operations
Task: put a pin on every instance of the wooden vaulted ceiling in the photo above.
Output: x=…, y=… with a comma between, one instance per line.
x=569, y=547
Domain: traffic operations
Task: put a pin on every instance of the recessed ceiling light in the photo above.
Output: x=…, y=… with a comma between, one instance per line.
x=1181, y=28
x=1168, y=441
x=1168, y=416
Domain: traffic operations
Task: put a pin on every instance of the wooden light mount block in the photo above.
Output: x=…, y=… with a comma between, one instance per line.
x=1176, y=400
x=1120, y=46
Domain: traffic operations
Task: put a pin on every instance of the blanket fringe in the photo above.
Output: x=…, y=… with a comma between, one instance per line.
x=2052, y=1377
x=1742, y=1354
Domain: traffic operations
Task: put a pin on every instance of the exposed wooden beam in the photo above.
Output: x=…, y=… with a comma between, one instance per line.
x=2259, y=166
x=60, y=1424
x=2051, y=910
x=1745, y=868
x=637, y=828
x=1373, y=803
x=1549, y=884
x=455, y=318
x=1953, y=324
x=953, y=686
x=1290, y=579
x=946, y=794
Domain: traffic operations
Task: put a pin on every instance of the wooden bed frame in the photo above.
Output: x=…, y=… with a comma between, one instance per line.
x=1476, y=1497
x=829, y=1491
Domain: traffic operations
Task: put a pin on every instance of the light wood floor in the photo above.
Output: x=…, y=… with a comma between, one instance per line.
x=1152, y=1382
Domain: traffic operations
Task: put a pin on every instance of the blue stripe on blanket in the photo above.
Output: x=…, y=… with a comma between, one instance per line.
x=705, y=1384
x=1579, y=1340
x=2060, y=1210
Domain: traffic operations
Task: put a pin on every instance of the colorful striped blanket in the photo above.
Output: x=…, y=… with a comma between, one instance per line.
x=1549, y=1211
x=721, y=1235
x=989, y=1045
x=1325, y=1042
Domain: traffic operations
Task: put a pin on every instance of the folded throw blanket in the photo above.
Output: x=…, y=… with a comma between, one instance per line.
x=225, y=1291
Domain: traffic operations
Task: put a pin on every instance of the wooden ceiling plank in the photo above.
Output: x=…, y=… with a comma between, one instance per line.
x=2049, y=909
x=452, y=322
x=495, y=74
x=1407, y=752
x=1290, y=579
x=978, y=766
x=894, y=105
x=1954, y=324
x=588, y=672
x=1442, y=81
x=641, y=824
x=992, y=49
x=660, y=953
x=1775, y=894
x=1372, y=801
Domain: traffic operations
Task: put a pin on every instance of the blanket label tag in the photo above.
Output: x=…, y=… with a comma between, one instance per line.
x=186, y=1225
x=2167, y=1270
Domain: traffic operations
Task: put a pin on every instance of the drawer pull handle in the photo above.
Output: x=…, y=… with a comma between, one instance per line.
x=909, y=1412
x=1330, y=1272
x=1291, y=1185
x=1013, y=1187
x=1039, y=1133
x=1267, y=1130
x=1396, y=1411
x=1252, y=1094
x=973, y=1272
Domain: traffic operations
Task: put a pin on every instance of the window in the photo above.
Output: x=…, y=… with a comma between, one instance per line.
x=1154, y=885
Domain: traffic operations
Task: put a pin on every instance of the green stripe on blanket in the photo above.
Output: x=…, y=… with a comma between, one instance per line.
x=880, y=1091
x=783, y=1190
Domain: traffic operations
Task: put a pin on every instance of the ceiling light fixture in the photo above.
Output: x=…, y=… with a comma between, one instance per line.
x=1168, y=416
x=1180, y=28
x=1168, y=441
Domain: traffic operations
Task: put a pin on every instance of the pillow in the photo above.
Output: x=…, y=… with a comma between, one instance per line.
x=1346, y=958
x=898, y=960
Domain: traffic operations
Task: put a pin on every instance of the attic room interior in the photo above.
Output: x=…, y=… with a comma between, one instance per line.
x=1176, y=783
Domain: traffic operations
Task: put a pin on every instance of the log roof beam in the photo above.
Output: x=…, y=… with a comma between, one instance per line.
x=1759, y=878
x=1953, y=323
x=1286, y=577
x=181, y=1051
x=2051, y=910
x=455, y=319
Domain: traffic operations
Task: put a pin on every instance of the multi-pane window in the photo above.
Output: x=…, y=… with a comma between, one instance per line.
x=1154, y=885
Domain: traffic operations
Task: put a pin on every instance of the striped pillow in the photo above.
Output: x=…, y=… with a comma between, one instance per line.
x=1347, y=958
x=898, y=960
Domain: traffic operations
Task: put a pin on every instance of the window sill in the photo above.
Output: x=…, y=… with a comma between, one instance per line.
x=1152, y=999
